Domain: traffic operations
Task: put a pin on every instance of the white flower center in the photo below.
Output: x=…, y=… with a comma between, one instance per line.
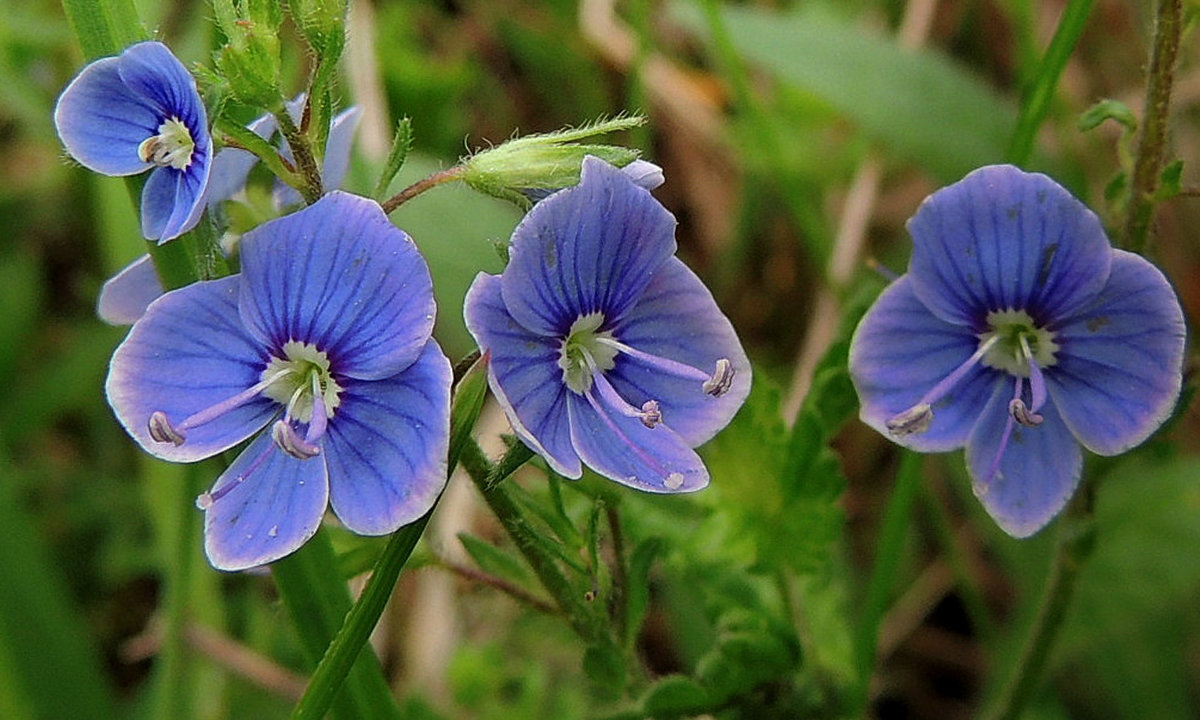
x=295, y=379
x=584, y=352
x=1015, y=340
x=172, y=146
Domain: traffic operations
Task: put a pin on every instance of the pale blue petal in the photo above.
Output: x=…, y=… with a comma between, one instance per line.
x=387, y=446
x=231, y=166
x=275, y=506
x=1002, y=238
x=338, y=275
x=590, y=248
x=152, y=71
x=102, y=123
x=676, y=318
x=623, y=449
x=173, y=201
x=124, y=297
x=337, y=159
x=645, y=174
x=899, y=352
x=1037, y=473
x=187, y=353
x=1120, y=359
x=524, y=375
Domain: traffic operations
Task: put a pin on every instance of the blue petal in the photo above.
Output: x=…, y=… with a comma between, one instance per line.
x=524, y=375
x=900, y=351
x=124, y=297
x=387, y=446
x=187, y=353
x=590, y=248
x=276, y=505
x=1037, y=473
x=151, y=70
x=676, y=318
x=1004, y=239
x=231, y=166
x=173, y=200
x=338, y=275
x=623, y=449
x=644, y=174
x=1120, y=359
x=102, y=123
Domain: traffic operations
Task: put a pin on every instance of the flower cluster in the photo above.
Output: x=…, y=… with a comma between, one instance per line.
x=1021, y=334
x=604, y=348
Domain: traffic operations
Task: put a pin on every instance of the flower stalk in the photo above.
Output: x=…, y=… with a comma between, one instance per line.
x=306, y=163
x=438, y=178
x=1152, y=142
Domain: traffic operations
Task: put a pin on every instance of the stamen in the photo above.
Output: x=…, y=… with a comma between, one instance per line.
x=912, y=421
x=919, y=417
x=160, y=426
x=721, y=380
x=204, y=501
x=716, y=384
x=671, y=480
x=288, y=440
x=320, y=421
x=1016, y=407
x=650, y=414
x=171, y=147
x=161, y=430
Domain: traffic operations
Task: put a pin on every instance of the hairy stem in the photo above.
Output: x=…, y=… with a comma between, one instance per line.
x=438, y=178
x=1151, y=146
x=306, y=162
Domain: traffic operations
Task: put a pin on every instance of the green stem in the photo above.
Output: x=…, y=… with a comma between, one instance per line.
x=347, y=645
x=487, y=477
x=318, y=602
x=1152, y=141
x=1036, y=103
x=104, y=27
x=306, y=163
x=410, y=192
x=1077, y=538
x=182, y=530
x=245, y=138
x=882, y=584
x=973, y=599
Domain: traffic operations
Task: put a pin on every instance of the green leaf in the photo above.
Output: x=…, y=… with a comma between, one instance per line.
x=675, y=696
x=1108, y=109
x=492, y=559
x=1170, y=181
x=919, y=105
x=637, y=591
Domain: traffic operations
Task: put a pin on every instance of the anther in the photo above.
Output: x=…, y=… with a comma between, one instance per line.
x=1022, y=414
x=161, y=431
x=721, y=380
x=651, y=413
x=912, y=421
x=291, y=443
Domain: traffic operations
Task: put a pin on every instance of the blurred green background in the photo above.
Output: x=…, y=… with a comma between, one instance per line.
x=796, y=138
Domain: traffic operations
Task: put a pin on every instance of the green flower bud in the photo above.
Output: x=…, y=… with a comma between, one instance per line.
x=250, y=58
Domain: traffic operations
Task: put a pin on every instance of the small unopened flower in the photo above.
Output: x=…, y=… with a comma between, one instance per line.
x=324, y=338
x=604, y=348
x=1021, y=334
x=140, y=110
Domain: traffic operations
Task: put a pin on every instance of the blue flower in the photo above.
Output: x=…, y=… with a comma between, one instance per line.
x=324, y=337
x=1021, y=334
x=124, y=115
x=604, y=348
x=125, y=296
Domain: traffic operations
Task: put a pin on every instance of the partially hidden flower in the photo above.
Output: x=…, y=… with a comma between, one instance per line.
x=232, y=166
x=139, y=110
x=643, y=173
x=124, y=297
x=604, y=349
x=1021, y=334
x=324, y=338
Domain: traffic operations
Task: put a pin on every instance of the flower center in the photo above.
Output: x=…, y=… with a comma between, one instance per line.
x=172, y=146
x=584, y=352
x=1017, y=343
x=298, y=378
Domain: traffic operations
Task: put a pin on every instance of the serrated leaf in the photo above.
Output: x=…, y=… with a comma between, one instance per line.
x=918, y=104
x=493, y=560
